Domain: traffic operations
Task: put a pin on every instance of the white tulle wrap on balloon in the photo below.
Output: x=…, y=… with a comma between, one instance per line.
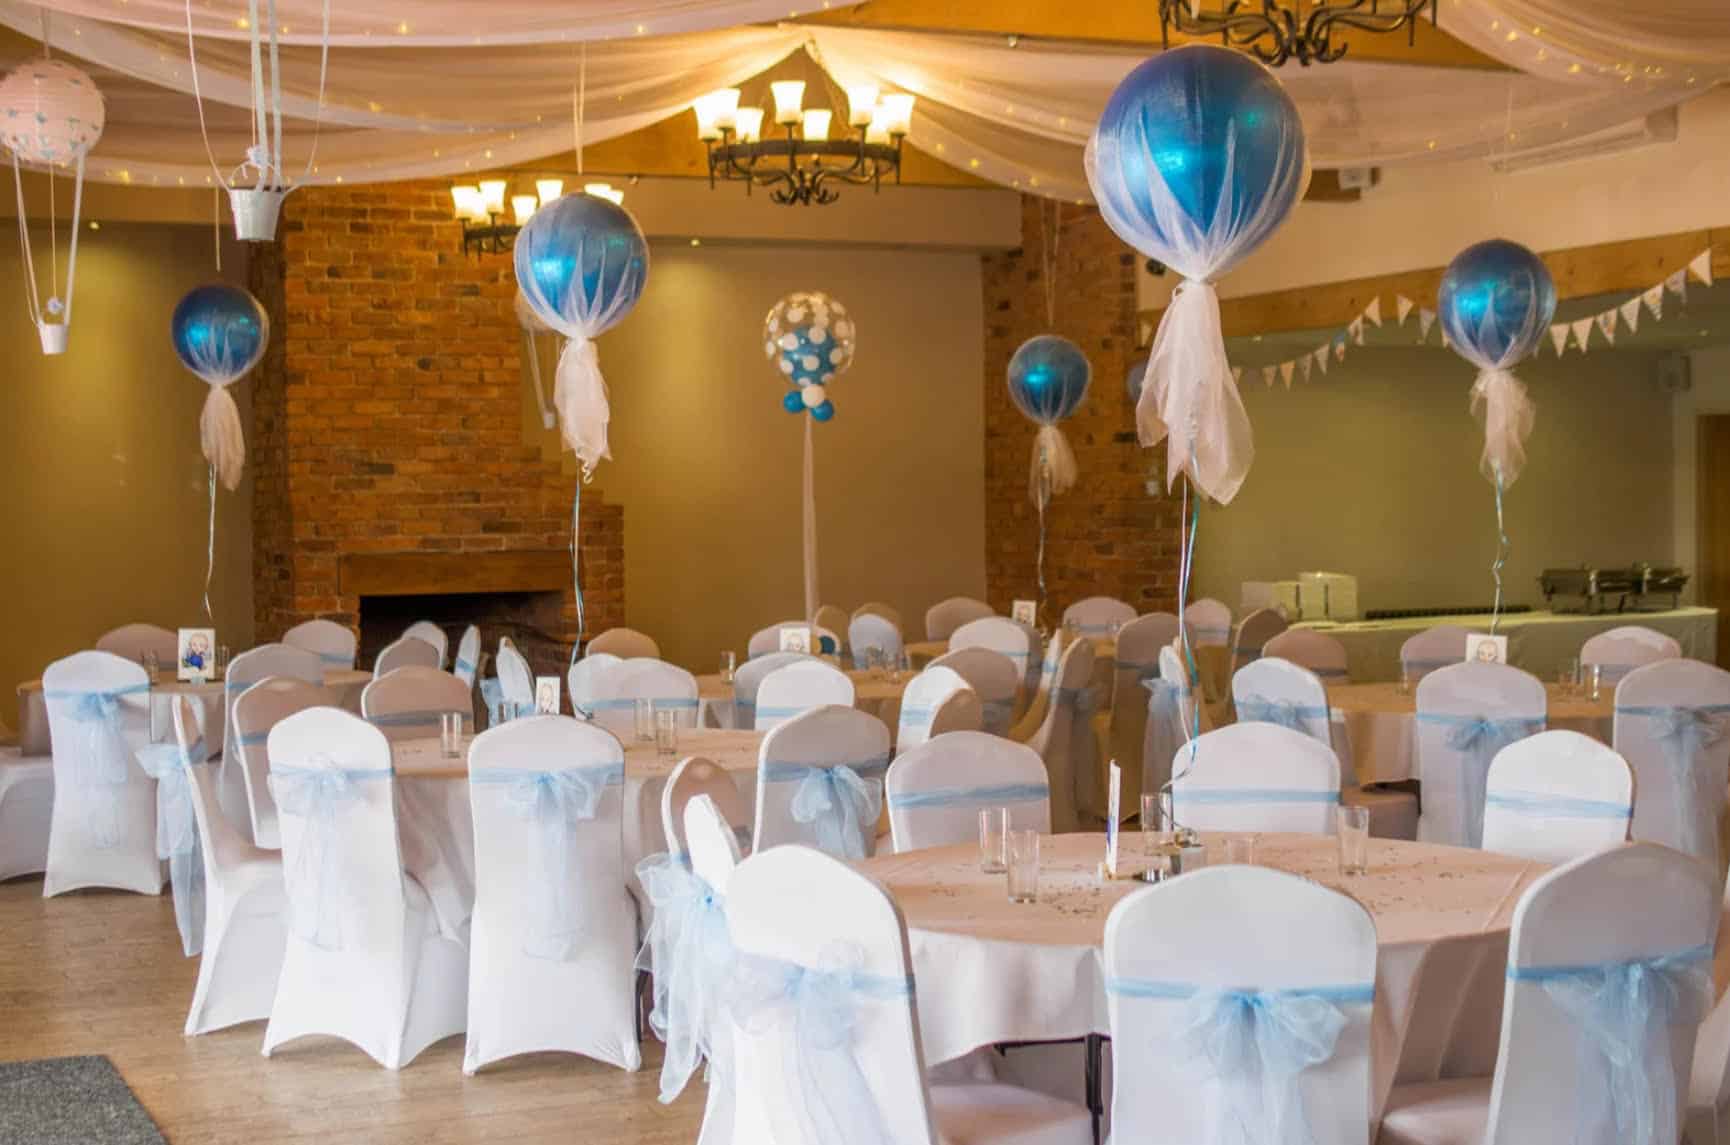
x=1508, y=414
x=1053, y=469
x=221, y=436
x=1189, y=397
x=580, y=396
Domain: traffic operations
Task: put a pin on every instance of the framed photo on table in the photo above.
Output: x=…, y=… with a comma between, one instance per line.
x=195, y=654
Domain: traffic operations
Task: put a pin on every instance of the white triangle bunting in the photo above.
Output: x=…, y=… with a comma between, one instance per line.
x=1374, y=311
x=1559, y=338
x=1678, y=284
x=1356, y=329
x=1607, y=325
x=1654, y=299
x=1426, y=319
x=1701, y=267
x=1305, y=364
x=1237, y=373
x=1286, y=369
x=1321, y=358
x=1630, y=312
x=1267, y=373
x=1582, y=333
x=1402, y=307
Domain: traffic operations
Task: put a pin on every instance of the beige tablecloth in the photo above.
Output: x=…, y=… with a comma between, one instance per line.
x=1380, y=725
x=990, y=971
x=873, y=692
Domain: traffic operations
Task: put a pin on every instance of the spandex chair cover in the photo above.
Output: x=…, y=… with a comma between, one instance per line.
x=1256, y=777
x=1672, y=725
x=1065, y=739
x=1208, y=621
x=586, y=681
x=625, y=643
x=944, y=617
x=26, y=809
x=937, y=789
x=1320, y=653
x=869, y=631
x=1556, y=796
x=920, y=701
x=820, y=781
x=554, y=930
x=767, y=640
x=409, y=702
x=264, y=662
x=516, y=682
x=132, y=641
x=332, y=643
x=1039, y=701
x=432, y=634
x=877, y=608
x=467, y=665
x=749, y=678
x=1620, y=650
x=1438, y=647
x=406, y=652
x=1253, y=633
x=364, y=960
x=255, y=712
x=794, y=689
x=610, y=694
x=993, y=677
x=698, y=776
x=1098, y=615
x=1009, y=638
x=1174, y=718
x=1466, y=714
x=1136, y=663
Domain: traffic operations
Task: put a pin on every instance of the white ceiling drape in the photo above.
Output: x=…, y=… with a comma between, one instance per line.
x=471, y=87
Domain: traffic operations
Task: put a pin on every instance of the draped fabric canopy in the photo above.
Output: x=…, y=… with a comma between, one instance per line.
x=441, y=88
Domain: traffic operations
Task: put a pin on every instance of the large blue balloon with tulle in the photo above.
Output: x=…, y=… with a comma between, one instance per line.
x=1198, y=157
x=219, y=332
x=1048, y=378
x=581, y=263
x=1496, y=303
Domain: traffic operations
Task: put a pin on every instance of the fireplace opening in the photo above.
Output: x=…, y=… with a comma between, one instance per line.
x=530, y=619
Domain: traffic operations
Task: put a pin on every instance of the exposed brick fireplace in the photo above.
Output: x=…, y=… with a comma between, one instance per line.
x=388, y=453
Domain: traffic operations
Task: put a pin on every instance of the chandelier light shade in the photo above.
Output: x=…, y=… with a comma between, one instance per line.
x=805, y=157
x=493, y=211
x=1276, y=31
x=546, y=190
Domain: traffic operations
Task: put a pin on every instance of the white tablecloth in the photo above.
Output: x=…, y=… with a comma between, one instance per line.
x=1539, y=642
x=873, y=692
x=1380, y=724
x=991, y=971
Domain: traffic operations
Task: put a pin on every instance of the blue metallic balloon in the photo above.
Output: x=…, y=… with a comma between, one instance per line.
x=1132, y=381
x=1496, y=303
x=219, y=332
x=1048, y=377
x=581, y=263
x=823, y=412
x=1198, y=158
x=809, y=336
x=792, y=402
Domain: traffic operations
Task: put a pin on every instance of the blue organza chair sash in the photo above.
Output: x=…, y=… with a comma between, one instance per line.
x=1208, y=634
x=996, y=716
x=1475, y=740
x=986, y=796
x=690, y=953
x=462, y=665
x=554, y=801
x=1624, y=1011
x=1542, y=805
x=1252, y=795
x=1286, y=713
x=493, y=696
x=100, y=763
x=825, y=1086
x=917, y=717
x=840, y=802
x=1252, y=1045
x=1331, y=673
x=344, y=660
x=317, y=893
x=1143, y=669
x=629, y=703
x=1683, y=733
x=422, y=718
x=177, y=834
x=1429, y=664
x=1083, y=701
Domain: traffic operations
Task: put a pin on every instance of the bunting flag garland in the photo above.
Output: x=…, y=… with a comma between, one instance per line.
x=1607, y=326
x=1321, y=357
x=1285, y=372
x=1630, y=311
x=1582, y=333
x=1267, y=373
x=1374, y=310
x=1304, y=365
x=1403, y=307
x=1701, y=267
x=1237, y=373
x=1655, y=301
x=1356, y=329
x=1678, y=284
x=1426, y=319
x=1559, y=337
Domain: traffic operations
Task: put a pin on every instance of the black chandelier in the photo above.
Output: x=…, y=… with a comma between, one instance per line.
x=804, y=165
x=1279, y=30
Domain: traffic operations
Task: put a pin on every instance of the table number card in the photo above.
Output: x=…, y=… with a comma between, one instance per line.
x=796, y=639
x=195, y=654
x=1482, y=648
x=1025, y=612
x=546, y=695
x=1113, y=798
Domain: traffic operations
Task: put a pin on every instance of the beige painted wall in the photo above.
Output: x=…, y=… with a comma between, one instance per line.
x=103, y=497
x=1373, y=471
x=707, y=464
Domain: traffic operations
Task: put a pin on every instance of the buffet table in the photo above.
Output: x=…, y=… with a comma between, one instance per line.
x=1539, y=642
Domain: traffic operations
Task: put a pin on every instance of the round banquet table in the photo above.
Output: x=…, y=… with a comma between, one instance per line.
x=991, y=971
x=344, y=685
x=874, y=692
x=1380, y=723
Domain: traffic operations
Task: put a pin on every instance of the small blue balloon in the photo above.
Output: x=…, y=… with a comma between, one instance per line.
x=1496, y=302
x=581, y=263
x=823, y=412
x=1132, y=381
x=1198, y=158
x=219, y=332
x=1048, y=377
x=792, y=402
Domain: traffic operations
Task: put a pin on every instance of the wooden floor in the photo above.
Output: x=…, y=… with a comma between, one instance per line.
x=98, y=972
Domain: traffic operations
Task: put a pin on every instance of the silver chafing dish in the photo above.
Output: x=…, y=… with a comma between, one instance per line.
x=1638, y=588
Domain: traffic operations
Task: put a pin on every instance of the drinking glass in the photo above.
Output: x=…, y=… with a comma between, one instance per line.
x=1354, y=836
x=1596, y=676
x=874, y=660
x=666, y=731
x=1021, y=855
x=450, y=734
x=729, y=665
x=645, y=720
x=903, y=666
x=1240, y=850
x=993, y=826
x=221, y=659
x=1568, y=677
x=1155, y=824
x=1405, y=680
x=152, y=662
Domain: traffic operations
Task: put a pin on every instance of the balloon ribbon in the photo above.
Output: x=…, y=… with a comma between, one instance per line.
x=576, y=571
x=1503, y=548
x=210, y=550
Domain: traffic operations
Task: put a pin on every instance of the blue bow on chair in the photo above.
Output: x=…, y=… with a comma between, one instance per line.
x=102, y=760
x=840, y=802
x=177, y=835
x=1625, y=1011
x=1478, y=739
x=317, y=896
x=1285, y=713
x=690, y=953
x=1684, y=732
x=554, y=801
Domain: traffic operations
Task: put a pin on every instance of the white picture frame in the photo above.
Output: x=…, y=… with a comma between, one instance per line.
x=195, y=654
x=1025, y=612
x=546, y=695
x=798, y=638
x=1482, y=648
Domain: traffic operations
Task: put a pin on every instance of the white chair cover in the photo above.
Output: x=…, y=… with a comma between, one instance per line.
x=994, y=678
x=103, y=830
x=832, y=618
x=1322, y=654
x=406, y=652
x=332, y=643
x=767, y=640
x=1039, y=701
x=1253, y=633
x=1708, y=1116
x=823, y=1044
x=26, y=809
x=1065, y=739
x=936, y=790
x=1256, y=777
x=1620, y=650
x=944, y=617
x=256, y=711
x=920, y=701
x=1466, y=714
x=695, y=776
x=132, y=641
x=1433, y=648
x=432, y=634
x=1136, y=663
x=793, y=689
x=820, y=781
x=1208, y=621
x=1598, y=1016
x=1276, y=690
x=407, y=703
x=245, y=909
x=364, y=960
x=959, y=712
x=1008, y=638
x=1174, y=718
x=869, y=631
x=1222, y=1029
x=1556, y=796
x=877, y=608
x=749, y=677
x=611, y=694
x=554, y=931
x=584, y=680
x=467, y=665
x=625, y=643
x=264, y=662
x=516, y=681
x=1672, y=725
x=1098, y=615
